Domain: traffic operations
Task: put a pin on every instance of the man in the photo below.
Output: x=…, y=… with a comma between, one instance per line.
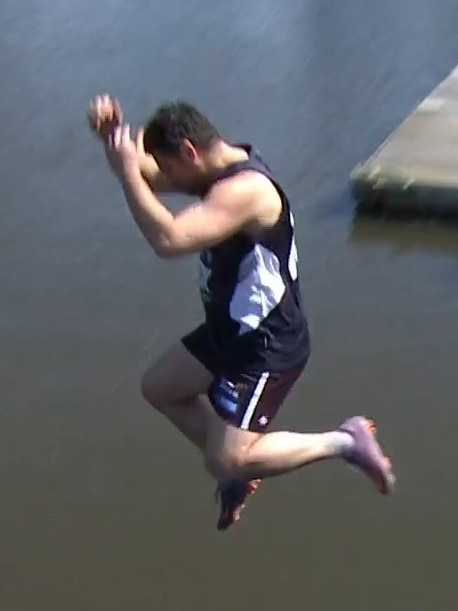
x=223, y=384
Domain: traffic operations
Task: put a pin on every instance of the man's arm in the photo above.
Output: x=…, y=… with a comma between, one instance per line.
x=150, y=171
x=236, y=203
x=231, y=206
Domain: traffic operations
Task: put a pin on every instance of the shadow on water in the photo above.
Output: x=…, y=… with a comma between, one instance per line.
x=433, y=233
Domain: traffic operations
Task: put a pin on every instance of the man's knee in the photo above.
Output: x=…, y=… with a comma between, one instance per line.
x=225, y=464
x=149, y=389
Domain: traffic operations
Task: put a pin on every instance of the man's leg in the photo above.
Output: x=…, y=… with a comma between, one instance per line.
x=252, y=455
x=240, y=451
x=238, y=443
x=175, y=386
x=238, y=448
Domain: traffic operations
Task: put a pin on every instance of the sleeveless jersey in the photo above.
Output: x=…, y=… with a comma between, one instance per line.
x=250, y=291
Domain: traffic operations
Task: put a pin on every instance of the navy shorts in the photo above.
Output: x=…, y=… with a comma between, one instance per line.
x=248, y=401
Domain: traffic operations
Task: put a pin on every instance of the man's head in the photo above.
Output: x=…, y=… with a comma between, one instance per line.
x=181, y=140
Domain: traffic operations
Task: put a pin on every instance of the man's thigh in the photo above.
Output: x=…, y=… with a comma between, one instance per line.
x=179, y=374
x=246, y=405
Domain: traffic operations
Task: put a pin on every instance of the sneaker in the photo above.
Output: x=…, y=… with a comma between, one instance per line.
x=367, y=455
x=232, y=495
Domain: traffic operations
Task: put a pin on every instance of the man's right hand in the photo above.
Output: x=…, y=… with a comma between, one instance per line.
x=104, y=115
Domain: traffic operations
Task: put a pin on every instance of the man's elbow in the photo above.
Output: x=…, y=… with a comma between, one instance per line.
x=174, y=244
x=167, y=249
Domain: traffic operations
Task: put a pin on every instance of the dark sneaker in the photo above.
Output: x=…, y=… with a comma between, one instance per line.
x=232, y=495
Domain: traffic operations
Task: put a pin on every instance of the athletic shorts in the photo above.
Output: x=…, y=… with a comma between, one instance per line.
x=248, y=401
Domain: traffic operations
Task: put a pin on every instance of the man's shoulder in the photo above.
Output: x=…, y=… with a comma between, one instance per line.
x=247, y=180
x=250, y=188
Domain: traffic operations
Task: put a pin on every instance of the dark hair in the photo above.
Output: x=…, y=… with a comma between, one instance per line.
x=174, y=122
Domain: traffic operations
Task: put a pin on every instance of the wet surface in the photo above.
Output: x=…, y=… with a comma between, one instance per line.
x=93, y=483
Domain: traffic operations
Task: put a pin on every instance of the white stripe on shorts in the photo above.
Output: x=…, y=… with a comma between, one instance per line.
x=246, y=421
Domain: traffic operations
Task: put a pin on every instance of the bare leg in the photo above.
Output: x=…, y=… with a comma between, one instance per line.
x=257, y=456
x=174, y=385
x=248, y=455
x=278, y=453
x=190, y=418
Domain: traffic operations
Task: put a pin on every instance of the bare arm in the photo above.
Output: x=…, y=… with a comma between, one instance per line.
x=150, y=170
x=231, y=206
x=242, y=202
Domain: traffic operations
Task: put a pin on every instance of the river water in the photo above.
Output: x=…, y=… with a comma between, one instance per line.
x=103, y=506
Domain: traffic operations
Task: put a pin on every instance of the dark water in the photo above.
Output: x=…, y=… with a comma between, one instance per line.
x=102, y=505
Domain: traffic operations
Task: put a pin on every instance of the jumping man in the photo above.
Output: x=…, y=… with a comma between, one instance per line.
x=223, y=383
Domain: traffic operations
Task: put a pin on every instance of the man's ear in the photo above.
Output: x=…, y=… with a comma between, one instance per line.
x=188, y=151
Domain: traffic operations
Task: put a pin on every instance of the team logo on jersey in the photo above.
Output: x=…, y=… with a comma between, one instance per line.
x=226, y=396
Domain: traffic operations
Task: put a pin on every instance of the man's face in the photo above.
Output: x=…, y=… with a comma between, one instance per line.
x=185, y=170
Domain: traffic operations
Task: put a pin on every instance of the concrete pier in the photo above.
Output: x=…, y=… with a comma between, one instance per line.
x=416, y=168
